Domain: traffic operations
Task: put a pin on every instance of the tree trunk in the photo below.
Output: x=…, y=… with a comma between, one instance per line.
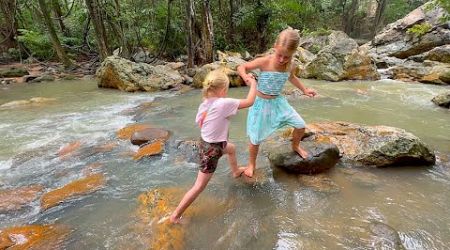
x=381, y=6
x=8, y=28
x=262, y=23
x=190, y=17
x=208, y=33
x=231, y=26
x=100, y=33
x=119, y=30
x=59, y=16
x=349, y=17
x=52, y=33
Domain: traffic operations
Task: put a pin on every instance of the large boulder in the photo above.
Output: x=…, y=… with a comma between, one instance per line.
x=323, y=156
x=396, y=40
x=341, y=59
x=421, y=36
x=427, y=72
x=442, y=100
x=123, y=74
x=378, y=146
x=228, y=64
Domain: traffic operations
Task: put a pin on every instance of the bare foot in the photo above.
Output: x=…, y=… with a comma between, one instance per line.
x=249, y=171
x=239, y=172
x=303, y=153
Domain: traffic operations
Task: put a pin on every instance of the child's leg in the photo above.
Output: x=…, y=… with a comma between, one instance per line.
x=297, y=135
x=253, y=153
x=230, y=150
x=191, y=195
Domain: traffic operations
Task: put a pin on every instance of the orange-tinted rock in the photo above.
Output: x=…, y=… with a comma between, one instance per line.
x=128, y=131
x=69, y=149
x=13, y=199
x=154, y=208
x=33, y=237
x=149, y=150
x=79, y=187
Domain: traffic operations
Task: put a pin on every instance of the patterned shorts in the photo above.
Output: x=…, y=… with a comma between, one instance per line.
x=210, y=154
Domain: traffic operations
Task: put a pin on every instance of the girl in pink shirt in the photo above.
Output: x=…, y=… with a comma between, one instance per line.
x=213, y=119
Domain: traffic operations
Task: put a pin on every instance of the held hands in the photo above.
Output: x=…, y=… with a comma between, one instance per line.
x=310, y=92
x=249, y=79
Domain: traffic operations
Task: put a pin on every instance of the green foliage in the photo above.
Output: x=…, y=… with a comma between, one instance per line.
x=38, y=44
x=397, y=9
x=419, y=29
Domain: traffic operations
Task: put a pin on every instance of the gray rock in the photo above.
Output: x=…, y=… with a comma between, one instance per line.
x=442, y=100
x=378, y=146
x=386, y=236
x=322, y=156
x=120, y=73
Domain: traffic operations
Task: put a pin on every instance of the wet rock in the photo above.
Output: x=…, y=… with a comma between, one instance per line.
x=15, y=199
x=43, y=78
x=149, y=134
x=322, y=156
x=385, y=236
x=74, y=189
x=150, y=149
x=92, y=168
x=120, y=73
x=427, y=72
x=69, y=149
x=13, y=72
x=378, y=146
x=361, y=178
x=32, y=101
x=260, y=178
x=34, y=237
x=319, y=183
x=29, y=78
x=7, y=81
x=128, y=131
x=154, y=208
x=442, y=100
x=187, y=150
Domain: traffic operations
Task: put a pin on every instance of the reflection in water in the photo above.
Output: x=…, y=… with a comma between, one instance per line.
x=333, y=211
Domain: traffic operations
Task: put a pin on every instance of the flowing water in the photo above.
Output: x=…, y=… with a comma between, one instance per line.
x=278, y=213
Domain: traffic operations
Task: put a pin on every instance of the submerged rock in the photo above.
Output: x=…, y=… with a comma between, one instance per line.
x=16, y=198
x=322, y=156
x=378, y=146
x=34, y=237
x=386, y=236
x=319, y=183
x=76, y=188
x=442, y=100
x=154, y=148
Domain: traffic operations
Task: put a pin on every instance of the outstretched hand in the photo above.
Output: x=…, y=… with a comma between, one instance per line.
x=310, y=92
x=249, y=79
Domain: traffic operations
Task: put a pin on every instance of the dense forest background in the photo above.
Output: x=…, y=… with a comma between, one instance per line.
x=76, y=30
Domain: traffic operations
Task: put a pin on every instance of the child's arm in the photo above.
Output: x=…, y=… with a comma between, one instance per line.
x=296, y=82
x=247, y=102
x=244, y=68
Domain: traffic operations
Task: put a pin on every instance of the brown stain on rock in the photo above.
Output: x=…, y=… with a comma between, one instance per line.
x=14, y=199
x=127, y=132
x=79, y=187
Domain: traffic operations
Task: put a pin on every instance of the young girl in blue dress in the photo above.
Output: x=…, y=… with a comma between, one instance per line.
x=271, y=110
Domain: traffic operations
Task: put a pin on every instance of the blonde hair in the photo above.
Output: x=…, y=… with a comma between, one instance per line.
x=215, y=80
x=288, y=38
